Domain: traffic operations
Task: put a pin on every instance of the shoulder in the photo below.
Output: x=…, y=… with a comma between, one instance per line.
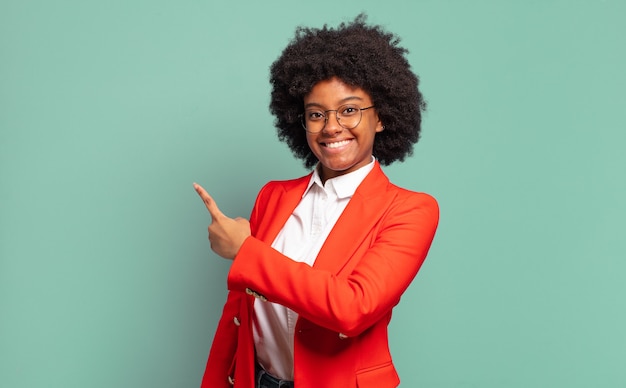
x=422, y=198
x=286, y=185
x=378, y=183
x=416, y=213
x=419, y=205
x=275, y=187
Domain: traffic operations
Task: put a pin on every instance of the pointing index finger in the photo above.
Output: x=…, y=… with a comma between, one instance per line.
x=208, y=202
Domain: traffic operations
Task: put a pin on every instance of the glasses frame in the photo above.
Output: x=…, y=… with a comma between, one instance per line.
x=303, y=118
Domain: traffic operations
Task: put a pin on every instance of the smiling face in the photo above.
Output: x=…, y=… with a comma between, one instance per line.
x=339, y=150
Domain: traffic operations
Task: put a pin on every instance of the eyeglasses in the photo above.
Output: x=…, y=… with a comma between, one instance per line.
x=348, y=116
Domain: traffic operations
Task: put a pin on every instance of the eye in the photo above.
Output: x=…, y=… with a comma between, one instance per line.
x=315, y=115
x=348, y=110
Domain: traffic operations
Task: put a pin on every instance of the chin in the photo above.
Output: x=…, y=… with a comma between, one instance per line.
x=338, y=167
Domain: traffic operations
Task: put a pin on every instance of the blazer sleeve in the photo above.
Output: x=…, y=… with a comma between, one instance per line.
x=346, y=303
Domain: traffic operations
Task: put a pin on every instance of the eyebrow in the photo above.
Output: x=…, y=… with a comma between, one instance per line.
x=341, y=102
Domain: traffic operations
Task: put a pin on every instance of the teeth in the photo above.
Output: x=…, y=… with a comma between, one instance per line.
x=337, y=144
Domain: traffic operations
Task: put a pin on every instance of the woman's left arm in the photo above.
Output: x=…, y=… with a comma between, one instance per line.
x=346, y=303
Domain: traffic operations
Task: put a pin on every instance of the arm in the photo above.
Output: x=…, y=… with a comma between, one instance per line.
x=346, y=303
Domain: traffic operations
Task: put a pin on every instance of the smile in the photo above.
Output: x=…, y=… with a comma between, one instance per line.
x=337, y=144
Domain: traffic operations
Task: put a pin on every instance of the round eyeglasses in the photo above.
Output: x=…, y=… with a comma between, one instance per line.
x=348, y=116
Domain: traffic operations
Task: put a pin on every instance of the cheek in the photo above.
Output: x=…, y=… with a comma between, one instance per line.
x=311, y=142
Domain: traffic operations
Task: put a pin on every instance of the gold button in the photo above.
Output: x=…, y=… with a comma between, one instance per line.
x=256, y=294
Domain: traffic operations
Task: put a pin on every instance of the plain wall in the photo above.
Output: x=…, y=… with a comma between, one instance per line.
x=110, y=110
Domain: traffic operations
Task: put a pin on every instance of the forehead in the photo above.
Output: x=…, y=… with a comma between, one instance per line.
x=334, y=91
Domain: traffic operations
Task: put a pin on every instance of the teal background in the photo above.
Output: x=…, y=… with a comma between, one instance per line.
x=110, y=110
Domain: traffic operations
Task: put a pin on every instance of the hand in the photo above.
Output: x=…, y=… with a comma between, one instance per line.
x=225, y=234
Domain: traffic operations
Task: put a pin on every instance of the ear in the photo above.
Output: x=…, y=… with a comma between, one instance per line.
x=379, y=126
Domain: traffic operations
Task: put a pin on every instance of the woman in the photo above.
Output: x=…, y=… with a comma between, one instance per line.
x=325, y=257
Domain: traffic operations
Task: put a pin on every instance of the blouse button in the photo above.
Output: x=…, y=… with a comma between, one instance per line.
x=237, y=321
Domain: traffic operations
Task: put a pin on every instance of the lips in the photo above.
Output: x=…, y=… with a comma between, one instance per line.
x=337, y=144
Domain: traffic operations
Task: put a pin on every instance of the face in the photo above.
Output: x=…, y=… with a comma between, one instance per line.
x=339, y=150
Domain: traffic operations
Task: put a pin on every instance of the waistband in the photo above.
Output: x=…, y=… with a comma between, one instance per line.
x=266, y=380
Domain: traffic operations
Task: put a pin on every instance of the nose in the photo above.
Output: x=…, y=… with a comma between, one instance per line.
x=332, y=124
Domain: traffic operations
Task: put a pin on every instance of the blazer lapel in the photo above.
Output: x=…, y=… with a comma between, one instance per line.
x=356, y=222
x=279, y=207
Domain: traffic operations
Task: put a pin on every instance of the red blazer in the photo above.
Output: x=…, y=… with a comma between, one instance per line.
x=344, y=301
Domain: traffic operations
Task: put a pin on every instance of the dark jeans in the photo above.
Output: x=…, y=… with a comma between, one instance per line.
x=266, y=380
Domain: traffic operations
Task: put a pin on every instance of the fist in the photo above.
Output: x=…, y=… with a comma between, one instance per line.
x=226, y=234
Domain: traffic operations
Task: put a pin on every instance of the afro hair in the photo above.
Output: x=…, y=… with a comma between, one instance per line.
x=360, y=55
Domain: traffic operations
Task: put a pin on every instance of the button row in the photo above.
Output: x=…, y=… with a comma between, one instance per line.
x=256, y=295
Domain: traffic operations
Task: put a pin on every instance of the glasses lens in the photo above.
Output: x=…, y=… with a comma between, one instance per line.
x=348, y=116
x=314, y=120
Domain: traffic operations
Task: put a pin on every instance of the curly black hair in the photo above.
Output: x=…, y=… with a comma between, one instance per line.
x=360, y=55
